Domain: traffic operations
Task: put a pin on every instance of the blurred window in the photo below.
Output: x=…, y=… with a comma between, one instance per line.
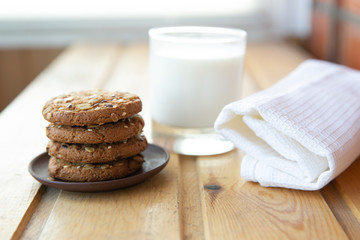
x=58, y=23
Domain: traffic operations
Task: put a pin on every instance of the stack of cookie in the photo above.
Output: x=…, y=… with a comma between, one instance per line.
x=95, y=135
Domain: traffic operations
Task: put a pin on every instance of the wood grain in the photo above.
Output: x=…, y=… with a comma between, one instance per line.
x=348, y=185
x=245, y=210
x=248, y=86
x=341, y=211
x=41, y=214
x=268, y=63
x=29, y=213
x=192, y=226
x=145, y=211
x=23, y=128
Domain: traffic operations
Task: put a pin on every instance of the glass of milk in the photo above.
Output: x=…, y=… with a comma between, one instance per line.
x=194, y=73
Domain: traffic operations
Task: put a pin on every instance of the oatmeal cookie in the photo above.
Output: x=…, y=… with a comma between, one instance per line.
x=91, y=107
x=97, y=153
x=82, y=172
x=93, y=134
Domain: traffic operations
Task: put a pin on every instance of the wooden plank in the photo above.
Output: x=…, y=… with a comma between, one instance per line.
x=40, y=215
x=29, y=213
x=192, y=226
x=235, y=209
x=248, y=86
x=348, y=185
x=341, y=211
x=145, y=211
x=268, y=63
x=22, y=128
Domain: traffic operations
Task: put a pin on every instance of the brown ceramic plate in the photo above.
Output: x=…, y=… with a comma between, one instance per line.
x=155, y=157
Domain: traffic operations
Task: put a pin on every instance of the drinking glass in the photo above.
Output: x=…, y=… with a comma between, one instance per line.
x=194, y=73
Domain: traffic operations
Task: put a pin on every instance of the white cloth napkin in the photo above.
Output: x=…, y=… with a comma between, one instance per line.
x=302, y=132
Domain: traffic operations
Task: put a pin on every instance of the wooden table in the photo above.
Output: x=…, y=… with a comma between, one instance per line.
x=175, y=204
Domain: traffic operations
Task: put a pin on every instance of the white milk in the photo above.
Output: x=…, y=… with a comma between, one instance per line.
x=190, y=91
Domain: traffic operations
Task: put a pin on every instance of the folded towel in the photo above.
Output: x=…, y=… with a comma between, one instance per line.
x=302, y=132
